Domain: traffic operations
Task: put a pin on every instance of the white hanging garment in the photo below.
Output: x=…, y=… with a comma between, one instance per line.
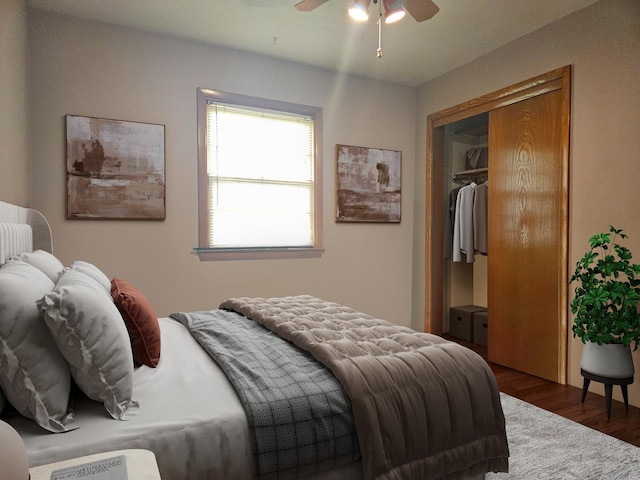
x=463, y=225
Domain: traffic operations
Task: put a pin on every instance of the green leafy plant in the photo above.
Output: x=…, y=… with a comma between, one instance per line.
x=607, y=294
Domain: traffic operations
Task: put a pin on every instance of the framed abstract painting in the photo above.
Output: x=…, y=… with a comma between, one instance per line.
x=368, y=185
x=115, y=169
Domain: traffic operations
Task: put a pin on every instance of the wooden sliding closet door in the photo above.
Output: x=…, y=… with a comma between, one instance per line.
x=526, y=236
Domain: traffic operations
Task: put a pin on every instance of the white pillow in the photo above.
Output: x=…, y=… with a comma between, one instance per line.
x=94, y=272
x=33, y=374
x=92, y=337
x=43, y=261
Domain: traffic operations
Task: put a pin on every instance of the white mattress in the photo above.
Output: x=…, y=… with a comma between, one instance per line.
x=190, y=417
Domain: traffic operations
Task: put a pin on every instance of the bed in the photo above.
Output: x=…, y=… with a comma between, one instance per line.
x=416, y=405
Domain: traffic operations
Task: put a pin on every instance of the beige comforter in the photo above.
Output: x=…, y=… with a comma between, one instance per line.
x=425, y=408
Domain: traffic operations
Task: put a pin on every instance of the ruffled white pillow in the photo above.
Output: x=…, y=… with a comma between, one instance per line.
x=33, y=374
x=92, y=337
x=94, y=272
x=44, y=261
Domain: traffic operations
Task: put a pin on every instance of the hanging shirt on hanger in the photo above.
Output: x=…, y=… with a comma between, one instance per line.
x=463, y=225
x=449, y=221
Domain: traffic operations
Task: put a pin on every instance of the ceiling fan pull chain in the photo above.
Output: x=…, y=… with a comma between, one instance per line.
x=379, y=52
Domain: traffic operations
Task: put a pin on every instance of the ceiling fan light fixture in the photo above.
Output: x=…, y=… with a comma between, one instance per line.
x=393, y=10
x=359, y=10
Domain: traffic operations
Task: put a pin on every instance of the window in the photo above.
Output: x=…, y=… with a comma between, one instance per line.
x=259, y=178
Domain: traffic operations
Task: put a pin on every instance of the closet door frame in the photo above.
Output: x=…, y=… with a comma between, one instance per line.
x=559, y=79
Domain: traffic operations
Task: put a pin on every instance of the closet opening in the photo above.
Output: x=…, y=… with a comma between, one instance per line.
x=465, y=276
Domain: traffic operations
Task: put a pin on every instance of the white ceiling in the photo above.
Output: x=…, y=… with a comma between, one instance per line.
x=413, y=52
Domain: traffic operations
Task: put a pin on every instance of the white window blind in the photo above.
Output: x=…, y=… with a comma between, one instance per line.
x=260, y=168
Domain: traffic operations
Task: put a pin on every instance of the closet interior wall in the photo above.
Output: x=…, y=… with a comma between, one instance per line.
x=464, y=283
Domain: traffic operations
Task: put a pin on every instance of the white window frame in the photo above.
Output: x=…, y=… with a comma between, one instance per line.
x=204, y=251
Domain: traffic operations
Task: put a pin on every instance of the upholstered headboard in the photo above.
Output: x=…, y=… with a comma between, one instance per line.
x=22, y=230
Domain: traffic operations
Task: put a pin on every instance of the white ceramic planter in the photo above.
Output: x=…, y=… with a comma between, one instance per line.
x=609, y=360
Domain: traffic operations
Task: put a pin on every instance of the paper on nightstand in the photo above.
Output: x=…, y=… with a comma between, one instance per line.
x=114, y=468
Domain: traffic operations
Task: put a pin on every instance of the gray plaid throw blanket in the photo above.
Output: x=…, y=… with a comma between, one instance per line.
x=299, y=416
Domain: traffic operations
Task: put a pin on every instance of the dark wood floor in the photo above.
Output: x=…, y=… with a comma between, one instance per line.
x=564, y=400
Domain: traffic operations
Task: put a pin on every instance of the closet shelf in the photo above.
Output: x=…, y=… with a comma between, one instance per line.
x=480, y=131
x=473, y=171
x=473, y=174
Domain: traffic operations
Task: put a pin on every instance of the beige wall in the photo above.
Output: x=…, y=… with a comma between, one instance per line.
x=83, y=68
x=14, y=159
x=602, y=43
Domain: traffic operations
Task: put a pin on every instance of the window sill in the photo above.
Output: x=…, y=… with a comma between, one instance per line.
x=221, y=254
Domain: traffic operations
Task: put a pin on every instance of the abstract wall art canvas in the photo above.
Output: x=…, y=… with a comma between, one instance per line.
x=115, y=169
x=368, y=184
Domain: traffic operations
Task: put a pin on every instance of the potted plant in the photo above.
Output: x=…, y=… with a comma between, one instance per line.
x=605, y=306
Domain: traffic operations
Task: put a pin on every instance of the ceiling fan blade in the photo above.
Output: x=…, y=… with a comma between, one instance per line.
x=308, y=5
x=421, y=10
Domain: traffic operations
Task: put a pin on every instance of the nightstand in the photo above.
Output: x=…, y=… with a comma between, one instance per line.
x=141, y=464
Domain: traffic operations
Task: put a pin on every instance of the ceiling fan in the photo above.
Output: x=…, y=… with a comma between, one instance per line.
x=420, y=10
x=391, y=10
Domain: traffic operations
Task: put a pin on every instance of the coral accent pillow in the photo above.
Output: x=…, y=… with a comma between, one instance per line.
x=141, y=322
